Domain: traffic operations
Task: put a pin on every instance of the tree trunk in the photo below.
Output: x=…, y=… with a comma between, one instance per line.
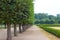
x=20, y=30
x=26, y=26
x=9, y=37
x=23, y=27
x=15, y=30
x=5, y=26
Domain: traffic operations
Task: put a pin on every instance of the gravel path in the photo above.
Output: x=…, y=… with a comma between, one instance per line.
x=33, y=33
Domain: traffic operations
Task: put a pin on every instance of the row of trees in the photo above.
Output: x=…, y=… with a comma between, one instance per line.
x=44, y=18
x=16, y=12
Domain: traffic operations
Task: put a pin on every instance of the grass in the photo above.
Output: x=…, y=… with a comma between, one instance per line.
x=49, y=25
x=2, y=26
x=51, y=28
x=57, y=28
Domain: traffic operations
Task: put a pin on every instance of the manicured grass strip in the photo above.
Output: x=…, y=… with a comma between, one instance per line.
x=49, y=29
x=49, y=25
x=53, y=31
x=57, y=28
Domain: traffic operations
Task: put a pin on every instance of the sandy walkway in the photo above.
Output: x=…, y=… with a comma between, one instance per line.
x=33, y=33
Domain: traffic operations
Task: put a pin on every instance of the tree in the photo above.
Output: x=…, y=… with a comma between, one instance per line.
x=8, y=11
x=45, y=18
x=16, y=12
x=26, y=13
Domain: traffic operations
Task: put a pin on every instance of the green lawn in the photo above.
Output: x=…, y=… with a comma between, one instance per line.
x=2, y=26
x=54, y=28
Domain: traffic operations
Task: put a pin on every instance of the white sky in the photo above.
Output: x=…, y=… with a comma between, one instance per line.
x=51, y=7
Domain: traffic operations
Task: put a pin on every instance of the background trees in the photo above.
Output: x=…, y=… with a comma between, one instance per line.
x=47, y=19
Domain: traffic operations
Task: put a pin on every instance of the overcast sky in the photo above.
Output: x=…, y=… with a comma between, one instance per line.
x=51, y=7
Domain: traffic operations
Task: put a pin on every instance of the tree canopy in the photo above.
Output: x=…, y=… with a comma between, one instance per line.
x=16, y=11
x=44, y=18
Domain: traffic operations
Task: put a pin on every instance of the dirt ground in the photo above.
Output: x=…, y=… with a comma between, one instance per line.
x=33, y=33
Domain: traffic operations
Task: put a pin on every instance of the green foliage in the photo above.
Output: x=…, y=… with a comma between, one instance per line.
x=16, y=11
x=8, y=10
x=27, y=12
x=47, y=19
